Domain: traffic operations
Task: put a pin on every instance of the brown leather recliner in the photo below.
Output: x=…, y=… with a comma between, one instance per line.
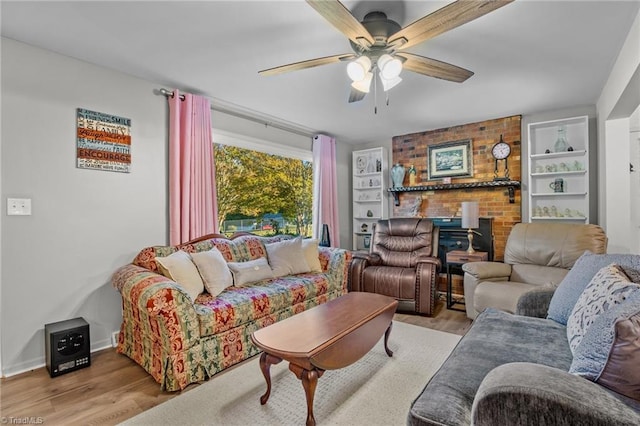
x=402, y=262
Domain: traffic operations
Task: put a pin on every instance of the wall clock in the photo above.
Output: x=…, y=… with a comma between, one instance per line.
x=501, y=152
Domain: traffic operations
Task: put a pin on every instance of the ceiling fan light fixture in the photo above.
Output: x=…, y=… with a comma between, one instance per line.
x=389, y=66
x=363, y=85
x=388, y=84
x=358, y=69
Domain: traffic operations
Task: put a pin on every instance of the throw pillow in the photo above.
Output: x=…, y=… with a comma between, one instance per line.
x=572, y=286
x=610, y=286
x=311, y=250
x=287, y=258
x=179, y=267
x=214, y=270
x=250, y=271
x=609, y=353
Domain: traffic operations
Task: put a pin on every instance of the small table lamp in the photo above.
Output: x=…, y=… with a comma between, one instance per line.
x=470, y=220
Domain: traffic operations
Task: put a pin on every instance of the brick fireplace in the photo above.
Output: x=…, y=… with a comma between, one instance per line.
x=494, y=202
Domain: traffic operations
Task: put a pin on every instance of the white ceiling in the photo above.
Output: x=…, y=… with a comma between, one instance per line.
x=528, y=56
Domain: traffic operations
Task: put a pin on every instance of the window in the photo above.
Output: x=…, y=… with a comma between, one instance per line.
x=266, y=191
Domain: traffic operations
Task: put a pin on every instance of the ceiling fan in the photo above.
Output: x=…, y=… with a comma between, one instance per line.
x=379, y=43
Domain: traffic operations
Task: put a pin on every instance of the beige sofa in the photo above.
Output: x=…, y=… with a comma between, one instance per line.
x=537, y=256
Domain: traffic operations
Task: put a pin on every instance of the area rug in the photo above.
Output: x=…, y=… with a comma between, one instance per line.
x=376, y=390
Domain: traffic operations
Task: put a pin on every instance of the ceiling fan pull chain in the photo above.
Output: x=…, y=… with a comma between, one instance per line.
x=375, y=92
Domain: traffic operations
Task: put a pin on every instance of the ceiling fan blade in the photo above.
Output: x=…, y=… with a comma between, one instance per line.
x=340, y=17
x=442, y=20
x=356, y=95
x=434, y=68
x=307, y=64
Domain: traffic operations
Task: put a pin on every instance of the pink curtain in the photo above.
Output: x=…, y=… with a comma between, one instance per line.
x=325, y=188
x=193, y=208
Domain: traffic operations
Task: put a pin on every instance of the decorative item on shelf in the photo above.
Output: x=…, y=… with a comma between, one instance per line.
x=501, y=151
x=550, y=168
x=361, y=163
x=470, y=220
x=570, y=149
x=413, y=176
x=370, y=182
x=561, y=144
x=364, y=227
x=557, y=185
x=553, y=211
x=367, y=241
x=563, y=167
x=539, y=168
x=568, y=213
x=537, y=211
x=577, y=165
x=369, y=213
x=547, y=151
x=378, y=165
x=397, y=175
x=371, y=167
x=325, y=239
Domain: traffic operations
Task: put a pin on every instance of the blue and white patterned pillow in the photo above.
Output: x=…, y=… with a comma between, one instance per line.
x=572, y=286
x=609, y=353
x=608, y=287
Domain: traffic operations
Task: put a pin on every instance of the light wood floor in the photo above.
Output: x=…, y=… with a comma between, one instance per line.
x=114, y=388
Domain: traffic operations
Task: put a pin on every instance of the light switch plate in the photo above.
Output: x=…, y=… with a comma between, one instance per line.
x=18, y=206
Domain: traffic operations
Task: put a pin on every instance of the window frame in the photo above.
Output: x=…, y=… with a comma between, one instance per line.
x=261, y=145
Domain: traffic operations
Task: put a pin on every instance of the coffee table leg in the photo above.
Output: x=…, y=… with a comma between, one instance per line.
x=266, y=361
x=386, y=340
x=309, y=380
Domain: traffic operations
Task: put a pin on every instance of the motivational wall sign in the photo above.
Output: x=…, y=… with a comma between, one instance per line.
x=104, y=141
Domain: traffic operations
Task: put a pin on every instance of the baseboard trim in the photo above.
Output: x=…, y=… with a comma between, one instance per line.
x=25, y=367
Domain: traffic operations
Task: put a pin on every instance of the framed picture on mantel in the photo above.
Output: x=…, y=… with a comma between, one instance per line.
x=450, y=159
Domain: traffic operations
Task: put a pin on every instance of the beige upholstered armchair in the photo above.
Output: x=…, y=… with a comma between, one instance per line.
x=537, y=257
x=402, y=262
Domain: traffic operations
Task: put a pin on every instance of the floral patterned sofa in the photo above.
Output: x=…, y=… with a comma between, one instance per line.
x=180, y=342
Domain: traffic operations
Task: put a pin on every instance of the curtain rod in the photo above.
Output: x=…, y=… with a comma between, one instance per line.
x=169, y=93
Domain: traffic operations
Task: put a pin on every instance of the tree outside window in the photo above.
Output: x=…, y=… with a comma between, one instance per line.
x=263, y=193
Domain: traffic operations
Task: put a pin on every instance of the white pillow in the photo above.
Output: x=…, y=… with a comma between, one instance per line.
x=610, y=286
x=214, y=270
x=179, y=267
x=286, y=258
x=310, y=249
x=250, y=272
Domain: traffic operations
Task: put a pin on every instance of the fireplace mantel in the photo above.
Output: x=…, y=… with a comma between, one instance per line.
x=511, y=185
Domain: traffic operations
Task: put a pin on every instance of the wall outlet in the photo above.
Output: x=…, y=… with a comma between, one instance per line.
x=18, y=206
x=114, y=339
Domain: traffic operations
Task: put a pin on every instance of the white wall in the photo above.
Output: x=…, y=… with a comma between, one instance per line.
x=57, y=263
x=618, y=100
x=634, y=196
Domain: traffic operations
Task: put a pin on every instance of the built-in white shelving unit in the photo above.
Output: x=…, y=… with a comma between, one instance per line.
x=370, y=176
x=559, y=172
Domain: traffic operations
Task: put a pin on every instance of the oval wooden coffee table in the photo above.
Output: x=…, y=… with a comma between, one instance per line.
x=327, y=337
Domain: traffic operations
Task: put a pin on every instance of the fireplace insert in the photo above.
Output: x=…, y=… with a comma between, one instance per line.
x=454, y=237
